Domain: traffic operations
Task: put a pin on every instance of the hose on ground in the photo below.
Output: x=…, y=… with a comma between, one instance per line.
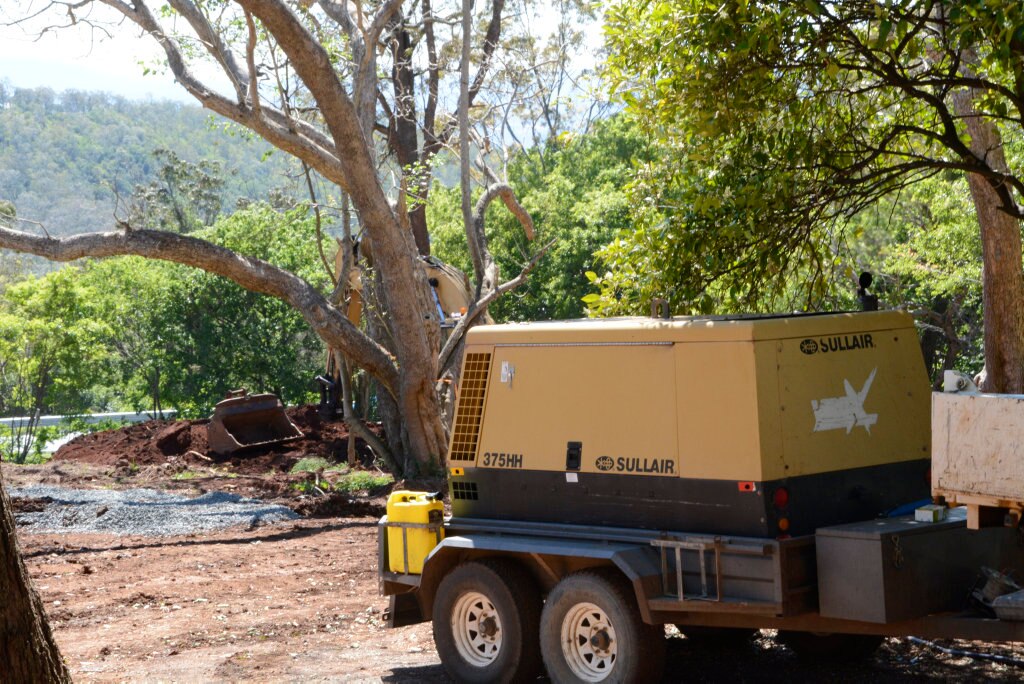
x=961, y=653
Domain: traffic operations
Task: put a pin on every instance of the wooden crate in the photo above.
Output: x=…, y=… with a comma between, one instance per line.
x=978, y=455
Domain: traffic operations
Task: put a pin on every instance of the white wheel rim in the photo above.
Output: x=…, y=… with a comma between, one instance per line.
x=588, y=642
x=477, y=629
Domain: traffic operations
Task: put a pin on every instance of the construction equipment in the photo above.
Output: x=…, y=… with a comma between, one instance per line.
x=451, y=293
x=608, y=477
x=249, y=421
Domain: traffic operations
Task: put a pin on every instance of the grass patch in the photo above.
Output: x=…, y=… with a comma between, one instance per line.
x=187, y=475
x=310, y=465
x=362, y=481
x=313, y=464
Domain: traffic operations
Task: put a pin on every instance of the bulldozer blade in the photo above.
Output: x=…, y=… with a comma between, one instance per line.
x=246, y=421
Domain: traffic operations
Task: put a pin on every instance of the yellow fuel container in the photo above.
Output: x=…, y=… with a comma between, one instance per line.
x=415, y=526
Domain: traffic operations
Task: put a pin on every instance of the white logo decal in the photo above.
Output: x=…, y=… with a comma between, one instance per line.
x=833, y=413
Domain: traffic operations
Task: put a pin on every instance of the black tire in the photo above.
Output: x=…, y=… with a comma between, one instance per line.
x=845, y=648
x=496, y=604
x=621, y=647
x=719, y=637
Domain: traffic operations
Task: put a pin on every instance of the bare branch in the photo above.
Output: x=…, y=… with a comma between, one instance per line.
x=508, y=196
x=250, y=60
x=212, y=40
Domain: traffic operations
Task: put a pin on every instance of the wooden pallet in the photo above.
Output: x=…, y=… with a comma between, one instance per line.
x=985, y=511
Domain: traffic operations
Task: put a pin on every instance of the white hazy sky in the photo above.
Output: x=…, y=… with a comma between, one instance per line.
x=77, y=58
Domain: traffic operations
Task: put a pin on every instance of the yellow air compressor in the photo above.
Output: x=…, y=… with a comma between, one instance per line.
x=760, y=426
x=415, y=526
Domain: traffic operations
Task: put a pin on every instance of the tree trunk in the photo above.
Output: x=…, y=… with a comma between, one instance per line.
x=27, y=649
x=1003, y=275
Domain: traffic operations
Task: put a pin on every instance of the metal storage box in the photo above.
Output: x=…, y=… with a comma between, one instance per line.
x=895, y=569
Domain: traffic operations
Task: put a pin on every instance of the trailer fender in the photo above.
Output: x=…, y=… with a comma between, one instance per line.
x=640, y=564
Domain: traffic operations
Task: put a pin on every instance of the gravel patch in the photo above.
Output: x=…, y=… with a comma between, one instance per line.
x=140, y=511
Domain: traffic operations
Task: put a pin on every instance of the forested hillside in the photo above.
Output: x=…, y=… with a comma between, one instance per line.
x=68, y=159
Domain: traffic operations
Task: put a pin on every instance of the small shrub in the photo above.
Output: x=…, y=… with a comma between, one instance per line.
x=362, y=481
x=310, y=465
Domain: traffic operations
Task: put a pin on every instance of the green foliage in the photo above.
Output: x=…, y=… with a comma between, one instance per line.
x=183, y=198
x=81, y=424
x=574, y=191
x=184, y=337
x=51, y=345
x=51, y=354
x=68, y=159
x=777, y=122
x=136, y=334
x=928, y=253
x=349, y=483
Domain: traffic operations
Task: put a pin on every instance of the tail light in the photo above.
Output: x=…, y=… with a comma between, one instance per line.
x=780, y=498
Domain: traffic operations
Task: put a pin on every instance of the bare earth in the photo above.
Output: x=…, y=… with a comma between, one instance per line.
x=298, y=601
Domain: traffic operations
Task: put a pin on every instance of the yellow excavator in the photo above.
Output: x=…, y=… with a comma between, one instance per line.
x=452, y=296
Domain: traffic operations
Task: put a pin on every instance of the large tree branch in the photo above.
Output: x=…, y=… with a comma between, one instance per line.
x=214, y=44
x=293, y=136
x=313, y=65
x=252, y=274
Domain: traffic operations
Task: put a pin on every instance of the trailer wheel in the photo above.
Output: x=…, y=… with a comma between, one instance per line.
x=591, y=631
x=486, y=620
x=833, y=647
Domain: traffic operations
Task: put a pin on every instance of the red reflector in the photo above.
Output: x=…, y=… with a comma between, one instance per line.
x=747, y=486
x=780, y=498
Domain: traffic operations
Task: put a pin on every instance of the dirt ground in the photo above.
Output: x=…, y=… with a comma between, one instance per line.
x=298, y=601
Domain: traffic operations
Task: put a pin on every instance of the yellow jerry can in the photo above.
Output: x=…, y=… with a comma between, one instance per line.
x=415, y=526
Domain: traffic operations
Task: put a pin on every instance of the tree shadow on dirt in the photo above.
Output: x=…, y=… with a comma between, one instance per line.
x=762, y=659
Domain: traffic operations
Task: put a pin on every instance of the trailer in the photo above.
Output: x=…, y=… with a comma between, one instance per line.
x=611, y=477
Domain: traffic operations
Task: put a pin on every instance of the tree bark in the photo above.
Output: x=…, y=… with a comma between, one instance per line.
x=1003, y=274
x=28, y=652
x=404, y=288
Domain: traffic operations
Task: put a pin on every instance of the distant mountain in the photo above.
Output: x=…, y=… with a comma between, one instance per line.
x=66, y=158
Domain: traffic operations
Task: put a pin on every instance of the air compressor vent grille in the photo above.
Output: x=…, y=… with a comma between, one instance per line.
x=465, y=491
x=466, y=432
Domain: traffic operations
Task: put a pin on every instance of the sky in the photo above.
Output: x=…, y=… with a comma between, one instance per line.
x=76, y=57
x=81, y=59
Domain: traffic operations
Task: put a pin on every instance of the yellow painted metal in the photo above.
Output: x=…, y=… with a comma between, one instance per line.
x=748, y=399
x=618, y=401
x=716, y=383
x=412, y=539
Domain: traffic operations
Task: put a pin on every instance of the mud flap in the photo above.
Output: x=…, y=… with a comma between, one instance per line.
x=403, y=610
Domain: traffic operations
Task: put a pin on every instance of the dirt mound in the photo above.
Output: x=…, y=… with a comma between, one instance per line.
x=183, y=442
